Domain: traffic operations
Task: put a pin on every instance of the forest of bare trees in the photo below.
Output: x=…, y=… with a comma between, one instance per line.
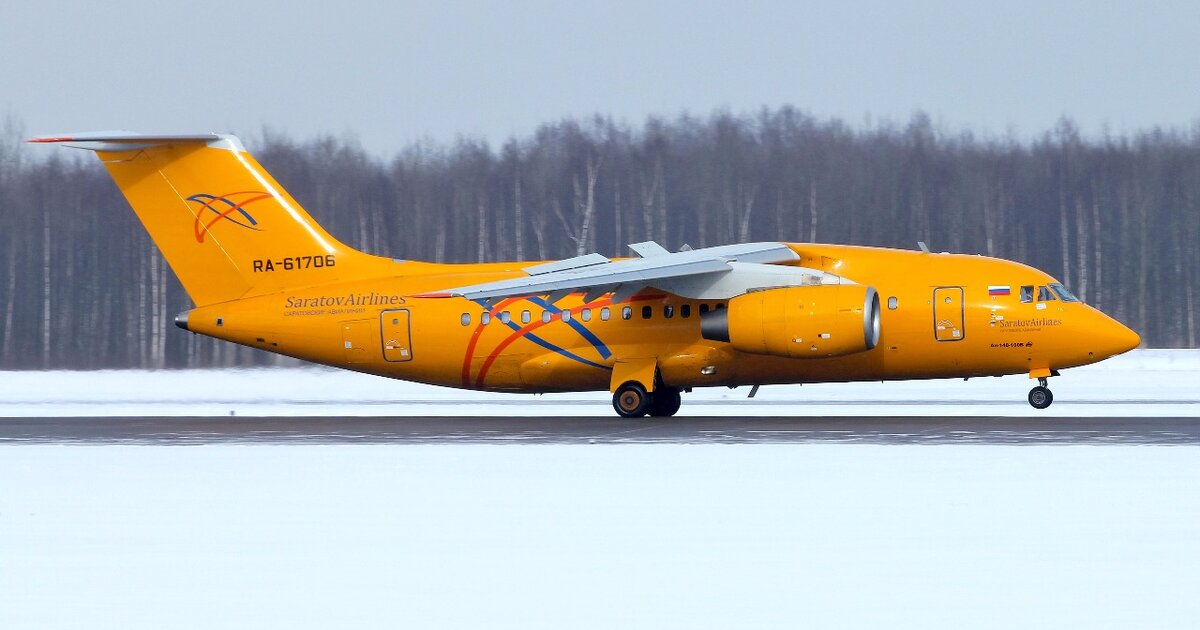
x=1117, y=218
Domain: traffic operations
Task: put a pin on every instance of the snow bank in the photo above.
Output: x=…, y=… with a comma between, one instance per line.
x=1140, y=383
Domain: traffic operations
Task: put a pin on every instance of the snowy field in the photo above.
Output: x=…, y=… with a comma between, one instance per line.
x=604, y=536
x=1140, y=383
x=598, y=535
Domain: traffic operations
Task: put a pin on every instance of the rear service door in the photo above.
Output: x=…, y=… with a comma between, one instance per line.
x=948, y=314
x=397, y=338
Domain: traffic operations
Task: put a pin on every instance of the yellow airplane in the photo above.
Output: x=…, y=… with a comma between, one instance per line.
x=263, y=274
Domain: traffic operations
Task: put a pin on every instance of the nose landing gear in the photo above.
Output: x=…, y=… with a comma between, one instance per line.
x=1040, y=397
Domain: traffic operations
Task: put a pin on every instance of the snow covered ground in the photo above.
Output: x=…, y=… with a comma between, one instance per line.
x=604, y=535
x=599, y=536
x=1140, y=383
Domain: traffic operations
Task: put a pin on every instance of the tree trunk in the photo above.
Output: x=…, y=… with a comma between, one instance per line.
x=518, y=216
x=1081, y=230
x=1064, y=235
x=46, y=293
x=812, y=211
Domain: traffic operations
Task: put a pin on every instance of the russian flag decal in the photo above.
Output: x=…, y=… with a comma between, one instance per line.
x=998, y=290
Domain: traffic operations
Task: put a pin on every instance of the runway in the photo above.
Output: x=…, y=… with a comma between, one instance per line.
x=598, y=430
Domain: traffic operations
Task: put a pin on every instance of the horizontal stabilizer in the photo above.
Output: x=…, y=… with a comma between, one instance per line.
x=132, y=141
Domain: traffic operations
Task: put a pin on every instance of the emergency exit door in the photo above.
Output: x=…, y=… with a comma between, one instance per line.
x=948, y=314
x=397, y=338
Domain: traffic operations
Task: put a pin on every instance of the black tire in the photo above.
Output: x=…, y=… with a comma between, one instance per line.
x=665, y=402
x=631, y=400
x=1040, y=397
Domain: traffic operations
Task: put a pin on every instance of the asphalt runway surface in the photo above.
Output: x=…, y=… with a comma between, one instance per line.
x=597, y=430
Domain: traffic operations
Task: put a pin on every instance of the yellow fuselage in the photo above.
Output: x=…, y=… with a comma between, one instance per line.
x=938, y=319
x=265, y=275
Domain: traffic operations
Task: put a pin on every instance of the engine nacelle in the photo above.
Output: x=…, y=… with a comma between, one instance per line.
x=798, y=322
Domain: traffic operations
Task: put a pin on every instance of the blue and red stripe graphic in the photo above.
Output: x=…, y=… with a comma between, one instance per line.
x=526, y=332
x=229, y=207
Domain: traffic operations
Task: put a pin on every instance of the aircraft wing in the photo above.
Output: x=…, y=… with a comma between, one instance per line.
x=655, y=267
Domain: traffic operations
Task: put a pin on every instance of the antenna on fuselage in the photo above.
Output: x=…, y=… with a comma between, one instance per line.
x=923, y=246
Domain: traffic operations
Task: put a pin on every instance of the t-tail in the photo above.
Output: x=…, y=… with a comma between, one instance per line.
x=225, y=226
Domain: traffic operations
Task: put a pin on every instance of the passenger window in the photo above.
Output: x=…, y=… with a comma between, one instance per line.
x=505, y=317
x=1044, y=294
x=586, y=315
x=685, y=311
x=627, y=312
x=466, y=319
x=547, y=316
x=647, y=312
x=668, y=311
x=566, y=315
x=721, y=306
x=525, y=317
x=703, y=309
x=604, y=314
x=1027, y=294
x=893, y=303
x=485, y=318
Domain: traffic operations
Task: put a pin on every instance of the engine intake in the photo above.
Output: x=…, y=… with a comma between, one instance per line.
x=798, y=322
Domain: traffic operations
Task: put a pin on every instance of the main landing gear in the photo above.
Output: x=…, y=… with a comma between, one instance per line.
x=1041, y=397
x=633, y=401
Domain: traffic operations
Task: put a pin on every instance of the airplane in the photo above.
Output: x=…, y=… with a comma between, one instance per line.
x=262, y=273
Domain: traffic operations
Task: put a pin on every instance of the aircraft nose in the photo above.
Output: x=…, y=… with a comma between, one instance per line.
x=1129, y=339
x=1115, y=337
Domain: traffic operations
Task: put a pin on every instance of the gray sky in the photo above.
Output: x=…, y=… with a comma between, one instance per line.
x=393, y=72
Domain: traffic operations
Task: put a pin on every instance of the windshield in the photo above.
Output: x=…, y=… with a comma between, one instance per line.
x=1063, y=293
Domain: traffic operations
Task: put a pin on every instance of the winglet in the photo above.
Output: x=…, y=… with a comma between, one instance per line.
x=648, y=249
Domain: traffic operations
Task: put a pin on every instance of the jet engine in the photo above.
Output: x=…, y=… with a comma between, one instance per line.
x=798, y=322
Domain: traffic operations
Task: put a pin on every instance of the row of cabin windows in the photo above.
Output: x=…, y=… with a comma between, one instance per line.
x=1045, y=293
x=585, y=314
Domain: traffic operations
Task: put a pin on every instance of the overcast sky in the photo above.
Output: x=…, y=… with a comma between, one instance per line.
x=393, y=72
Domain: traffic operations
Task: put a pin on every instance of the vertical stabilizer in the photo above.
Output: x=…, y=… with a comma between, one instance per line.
x=225, y=226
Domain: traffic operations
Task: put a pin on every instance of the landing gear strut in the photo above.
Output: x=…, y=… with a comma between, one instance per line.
x=631, y=400
x=1041, y=397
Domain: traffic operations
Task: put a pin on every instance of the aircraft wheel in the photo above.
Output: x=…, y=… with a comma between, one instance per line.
x=1040, y=397
x=665, y=403
x=631, y=400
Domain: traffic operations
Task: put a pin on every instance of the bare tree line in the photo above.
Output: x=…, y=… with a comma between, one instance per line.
x=1117, y=218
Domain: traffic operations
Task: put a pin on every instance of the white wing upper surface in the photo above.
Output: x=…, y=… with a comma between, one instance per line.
x=708, y=273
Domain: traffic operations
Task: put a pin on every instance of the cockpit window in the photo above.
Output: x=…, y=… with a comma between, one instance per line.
x=1027, y=294
x=1063, y=293
x=1044, y=294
